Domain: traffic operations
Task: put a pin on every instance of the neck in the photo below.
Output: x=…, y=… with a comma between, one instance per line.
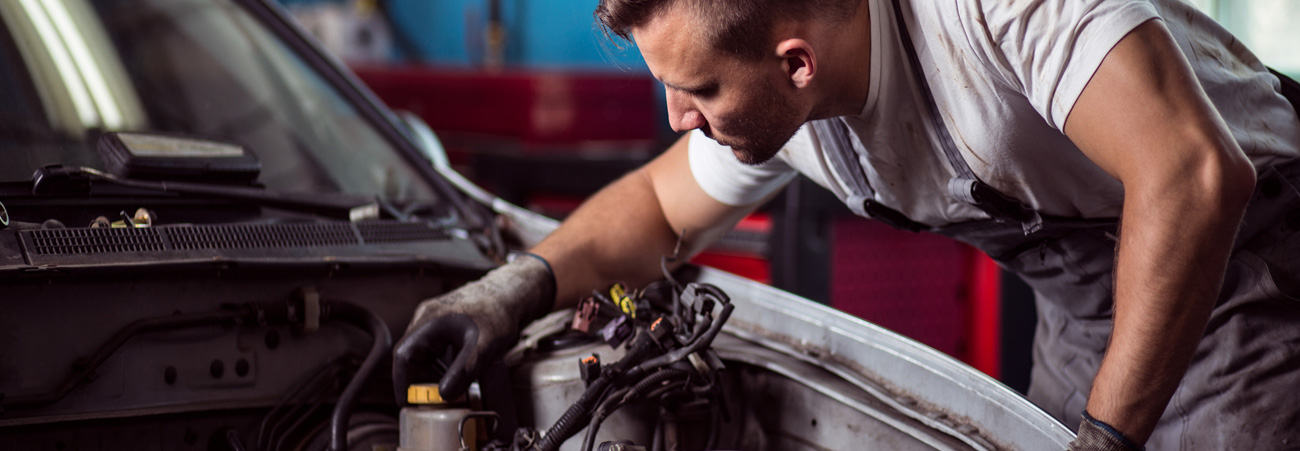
x=846, y=66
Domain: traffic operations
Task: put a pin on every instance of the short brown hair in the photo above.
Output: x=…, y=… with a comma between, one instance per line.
x=738, y=27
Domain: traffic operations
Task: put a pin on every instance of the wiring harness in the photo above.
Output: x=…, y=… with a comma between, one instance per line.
x=668, y=329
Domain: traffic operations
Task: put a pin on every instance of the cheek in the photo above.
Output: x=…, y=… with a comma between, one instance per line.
x=740, y=110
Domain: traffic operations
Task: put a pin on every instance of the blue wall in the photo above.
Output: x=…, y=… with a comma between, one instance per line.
x=539, y=34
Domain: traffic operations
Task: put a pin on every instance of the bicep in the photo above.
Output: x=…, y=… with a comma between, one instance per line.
x=686, y=206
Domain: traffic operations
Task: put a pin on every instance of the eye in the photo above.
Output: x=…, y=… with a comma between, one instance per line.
x=703, y=92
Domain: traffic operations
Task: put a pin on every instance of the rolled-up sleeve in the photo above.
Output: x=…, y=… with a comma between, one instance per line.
x=1052, y=48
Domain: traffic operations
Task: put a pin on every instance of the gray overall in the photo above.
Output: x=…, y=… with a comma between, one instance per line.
x=1242, y=390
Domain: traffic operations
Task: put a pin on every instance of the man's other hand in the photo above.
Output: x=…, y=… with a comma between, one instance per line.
x=471, y=327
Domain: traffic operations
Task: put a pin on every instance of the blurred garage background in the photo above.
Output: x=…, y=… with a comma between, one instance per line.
x=534, y=103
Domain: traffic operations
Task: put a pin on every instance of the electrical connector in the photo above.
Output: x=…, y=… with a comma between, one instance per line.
x=662, y=332
x=589, y=368
x=585, y=315
x=618, y=294
x=617, y=331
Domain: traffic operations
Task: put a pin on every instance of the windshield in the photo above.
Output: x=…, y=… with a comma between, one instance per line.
x=71, y=70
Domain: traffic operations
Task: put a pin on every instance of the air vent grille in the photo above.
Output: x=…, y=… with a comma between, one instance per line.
x=261, y=236
x=92, y=241
x=213, y=237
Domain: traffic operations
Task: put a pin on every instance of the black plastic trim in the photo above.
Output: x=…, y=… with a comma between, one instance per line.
x=86, y=241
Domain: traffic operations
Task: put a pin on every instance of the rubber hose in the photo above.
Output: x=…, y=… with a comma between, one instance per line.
x=566, y=426
x=618, y=398
x=383, y=341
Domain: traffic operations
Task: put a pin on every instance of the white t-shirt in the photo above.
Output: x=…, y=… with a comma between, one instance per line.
x=1005, y=76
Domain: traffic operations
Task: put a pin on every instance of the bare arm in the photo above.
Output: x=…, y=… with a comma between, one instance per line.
x=1145, y=119
x=621, y=233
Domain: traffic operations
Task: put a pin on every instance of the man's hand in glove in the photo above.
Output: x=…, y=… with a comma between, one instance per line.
x=477, y=323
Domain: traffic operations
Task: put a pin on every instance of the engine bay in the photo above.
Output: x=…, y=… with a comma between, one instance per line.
x=228, y=357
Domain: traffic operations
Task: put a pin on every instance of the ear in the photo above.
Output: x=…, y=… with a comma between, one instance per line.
x=798, y=61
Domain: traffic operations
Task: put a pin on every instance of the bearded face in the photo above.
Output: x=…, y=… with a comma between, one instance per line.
x=758, y=127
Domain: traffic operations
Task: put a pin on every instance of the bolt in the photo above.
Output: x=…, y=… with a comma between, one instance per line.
x=216, y=369
x=241, y=367
x=169, y=375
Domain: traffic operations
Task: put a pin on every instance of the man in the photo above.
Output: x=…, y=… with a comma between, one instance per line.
x=1106, y=151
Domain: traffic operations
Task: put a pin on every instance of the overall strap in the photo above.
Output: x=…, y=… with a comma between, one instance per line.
x=1290, y=89
x=965, y=186
x=861, y=198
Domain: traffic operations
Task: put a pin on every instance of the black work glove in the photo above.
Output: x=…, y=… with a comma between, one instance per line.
x=477, y=323
x=1095, y=435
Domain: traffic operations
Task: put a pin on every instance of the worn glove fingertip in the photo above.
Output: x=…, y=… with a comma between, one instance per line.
x=453, y=384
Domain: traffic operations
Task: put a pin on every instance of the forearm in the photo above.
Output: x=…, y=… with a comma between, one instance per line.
x=1175, y=240
x=623, y=232
x=618, y=234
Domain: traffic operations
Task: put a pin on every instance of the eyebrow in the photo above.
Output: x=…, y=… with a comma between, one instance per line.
x=699, y=88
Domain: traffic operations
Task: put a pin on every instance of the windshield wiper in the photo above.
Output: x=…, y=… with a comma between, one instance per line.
x=63, y=181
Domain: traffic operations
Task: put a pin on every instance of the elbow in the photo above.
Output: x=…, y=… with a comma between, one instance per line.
x=1239, y=181
x=1227, y=177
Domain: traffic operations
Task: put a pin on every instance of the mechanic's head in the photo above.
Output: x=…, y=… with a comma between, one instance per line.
x=742, y=71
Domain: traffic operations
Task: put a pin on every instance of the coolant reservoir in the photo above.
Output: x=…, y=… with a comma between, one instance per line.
x=434, y=424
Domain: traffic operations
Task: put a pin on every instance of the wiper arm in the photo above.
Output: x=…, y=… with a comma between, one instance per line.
x=62, y=181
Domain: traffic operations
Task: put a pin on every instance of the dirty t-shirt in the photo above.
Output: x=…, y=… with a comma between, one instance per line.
x=1004, y=76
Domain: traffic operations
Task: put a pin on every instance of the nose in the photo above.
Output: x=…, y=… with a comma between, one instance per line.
x=682, y=113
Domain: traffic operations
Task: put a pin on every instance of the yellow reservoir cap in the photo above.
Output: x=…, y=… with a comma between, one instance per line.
x=424, y=394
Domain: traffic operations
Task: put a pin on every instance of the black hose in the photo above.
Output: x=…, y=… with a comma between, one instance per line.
x=662, y=391
x=614, y=398
x=617, y=399
x=313, y=405
x=565, y=427
x=699, y=343
x=329, y=369
x=668, y=275
x=568, y=423
x=383, y=341
x=320, y=393
x=633, y=366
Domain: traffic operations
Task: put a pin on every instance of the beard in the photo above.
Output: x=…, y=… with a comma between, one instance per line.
x=762, y=129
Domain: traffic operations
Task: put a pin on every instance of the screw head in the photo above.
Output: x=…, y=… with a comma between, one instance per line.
x=169, y=375
x=216, y=369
